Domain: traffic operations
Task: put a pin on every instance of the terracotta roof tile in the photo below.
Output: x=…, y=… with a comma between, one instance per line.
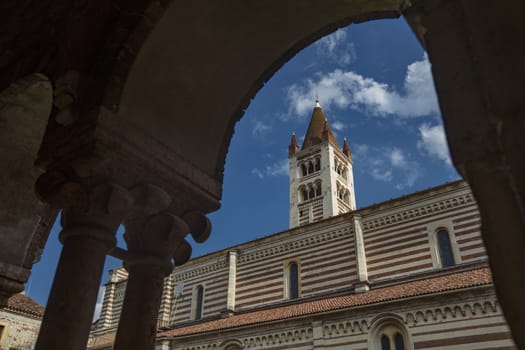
x=427, y=286
x=23, y=304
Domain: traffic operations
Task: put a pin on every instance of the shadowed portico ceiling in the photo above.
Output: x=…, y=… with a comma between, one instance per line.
x=203, y=61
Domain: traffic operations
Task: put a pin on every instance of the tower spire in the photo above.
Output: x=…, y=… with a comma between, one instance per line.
x=346, y=149
x=317, y=128
x=294, y=146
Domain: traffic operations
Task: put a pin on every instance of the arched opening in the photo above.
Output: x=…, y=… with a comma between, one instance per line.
x=199, y=302
x=293, y=280
x=388, y=332
x=446, y=255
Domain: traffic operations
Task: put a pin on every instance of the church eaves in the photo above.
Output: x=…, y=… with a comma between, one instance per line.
x=318, y=129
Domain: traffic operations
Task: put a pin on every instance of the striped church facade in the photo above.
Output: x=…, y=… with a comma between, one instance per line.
x=410, y=270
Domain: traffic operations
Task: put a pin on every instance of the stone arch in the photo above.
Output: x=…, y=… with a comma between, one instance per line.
x=231, y=344
x=130, y=93
x=387, y=321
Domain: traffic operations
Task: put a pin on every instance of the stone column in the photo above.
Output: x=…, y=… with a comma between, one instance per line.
x=360, y=257
x=89, y=226
x=232, y=280
x=153, y=240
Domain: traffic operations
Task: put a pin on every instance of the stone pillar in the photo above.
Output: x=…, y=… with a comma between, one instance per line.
x=360, y=257
x=89, y=226
x=232, y=280
x=153, y=240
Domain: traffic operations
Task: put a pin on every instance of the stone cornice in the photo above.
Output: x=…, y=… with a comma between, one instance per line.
x=279, y=247
x=421, y=211
x=180, y=276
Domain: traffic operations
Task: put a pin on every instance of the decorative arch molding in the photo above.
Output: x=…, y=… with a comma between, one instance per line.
x=462, y=200
x=385, y=321
x=284, y=337
x=231, y=344
x=308, y=241
x=452, y=312
x=345, y=327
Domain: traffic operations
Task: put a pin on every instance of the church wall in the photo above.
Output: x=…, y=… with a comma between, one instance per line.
x=212, y=274
x=399, y=239
x=402, y=240
x=469, y=319
x=113, y=299
x=325, y=255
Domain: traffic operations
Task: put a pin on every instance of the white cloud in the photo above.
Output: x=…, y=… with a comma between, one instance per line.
x=98, y=306
x=397, y=158
x=279, y=168
x=382, y=175
x=434, y=143
x=336, y=47
x=347, y=89
x=257, y=173
x=337, y=125
x=260, y=129
x=387, y=164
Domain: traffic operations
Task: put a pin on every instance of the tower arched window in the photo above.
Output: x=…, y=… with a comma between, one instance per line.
x=303, y=169
x=310, y=167
x=293, y=280
x=305, y=195
x=318, y=190
x=199, y=302
x=311, y=193
x=446, y=256
x=317, y=164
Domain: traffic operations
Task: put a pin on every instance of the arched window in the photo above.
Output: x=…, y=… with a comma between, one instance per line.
x=303, y=168
x=446, y=256
x=392, y=339
x=317, y=164
x=399, y=341
x=389, y=333
x=310, y=167
x=199, y=298
x=311, y=193
x=293, y=280
x=305, y=195
x=318, y=190
x=385, y=342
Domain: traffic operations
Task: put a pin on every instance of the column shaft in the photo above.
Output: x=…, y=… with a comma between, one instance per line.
x=138, y=321
x=232, y=280
x=360, y=256
x=69, y=311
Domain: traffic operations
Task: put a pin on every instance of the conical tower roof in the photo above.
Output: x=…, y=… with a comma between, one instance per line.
x=316, y=129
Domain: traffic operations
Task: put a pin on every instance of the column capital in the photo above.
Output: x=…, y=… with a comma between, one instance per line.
x=12, y=279
x=91, y=210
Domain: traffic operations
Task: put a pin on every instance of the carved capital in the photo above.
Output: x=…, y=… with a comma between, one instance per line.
x=156, y=241
x=199, y=224
x=12, y=280
x=155, y=236
x=88, y=210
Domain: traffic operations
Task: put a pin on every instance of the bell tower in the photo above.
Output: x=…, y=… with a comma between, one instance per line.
x=321, y=175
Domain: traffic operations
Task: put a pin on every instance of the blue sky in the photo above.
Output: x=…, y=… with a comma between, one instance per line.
x=374, y=84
